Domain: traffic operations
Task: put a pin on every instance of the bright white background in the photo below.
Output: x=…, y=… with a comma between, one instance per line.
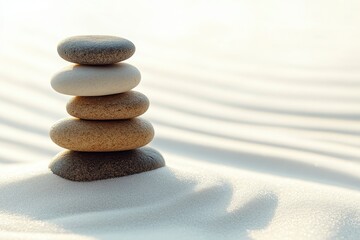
x=256, y=106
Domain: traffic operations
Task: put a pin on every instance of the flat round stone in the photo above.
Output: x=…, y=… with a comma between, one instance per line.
x=111, y=107
x=81, y=80
x=90, y=166
x=101, y=136
x=95, y=49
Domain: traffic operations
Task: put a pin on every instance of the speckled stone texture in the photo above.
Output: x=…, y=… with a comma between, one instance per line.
x=95, y=49
x=90, y=166
x=119, y=106
x=82, y=80
x=101, y=136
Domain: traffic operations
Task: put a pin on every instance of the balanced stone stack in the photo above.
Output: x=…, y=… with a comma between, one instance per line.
x=105, y=136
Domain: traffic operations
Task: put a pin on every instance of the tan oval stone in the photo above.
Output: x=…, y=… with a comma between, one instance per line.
x=118, y=106
x=101, y=136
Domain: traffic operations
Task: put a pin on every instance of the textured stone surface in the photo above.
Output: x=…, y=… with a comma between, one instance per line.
x=95, y=49
x=118, y=106
x=90, y=166
x=101, y=136
x=81, y=80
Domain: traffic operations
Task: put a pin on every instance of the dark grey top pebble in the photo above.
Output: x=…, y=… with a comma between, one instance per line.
x=95, y=49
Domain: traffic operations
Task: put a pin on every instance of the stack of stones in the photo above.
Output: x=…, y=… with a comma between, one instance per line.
x=105, y=136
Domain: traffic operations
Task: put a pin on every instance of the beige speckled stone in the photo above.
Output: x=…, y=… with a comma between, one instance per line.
x=95, y=49
x=119, y=106
x=90, y=166
x=101, y=136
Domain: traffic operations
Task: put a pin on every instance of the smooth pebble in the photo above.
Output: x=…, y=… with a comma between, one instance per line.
x=118, y=106
x=90, y=166
x=81, y=80
x=95, y=49
x=101, y=136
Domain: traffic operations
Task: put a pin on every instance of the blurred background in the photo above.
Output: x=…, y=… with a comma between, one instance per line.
x=269, y=86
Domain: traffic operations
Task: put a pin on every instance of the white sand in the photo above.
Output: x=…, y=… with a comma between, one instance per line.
x=256, y=109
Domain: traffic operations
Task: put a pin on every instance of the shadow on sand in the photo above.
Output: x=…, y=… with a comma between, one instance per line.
x=152, y=200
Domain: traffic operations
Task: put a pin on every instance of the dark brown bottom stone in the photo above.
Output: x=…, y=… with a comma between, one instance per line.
x=90, y=166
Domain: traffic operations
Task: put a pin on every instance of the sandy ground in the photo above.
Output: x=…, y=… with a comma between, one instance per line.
x=256, y=108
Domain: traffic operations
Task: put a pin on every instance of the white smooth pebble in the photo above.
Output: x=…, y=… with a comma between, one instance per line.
x=83, y=80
